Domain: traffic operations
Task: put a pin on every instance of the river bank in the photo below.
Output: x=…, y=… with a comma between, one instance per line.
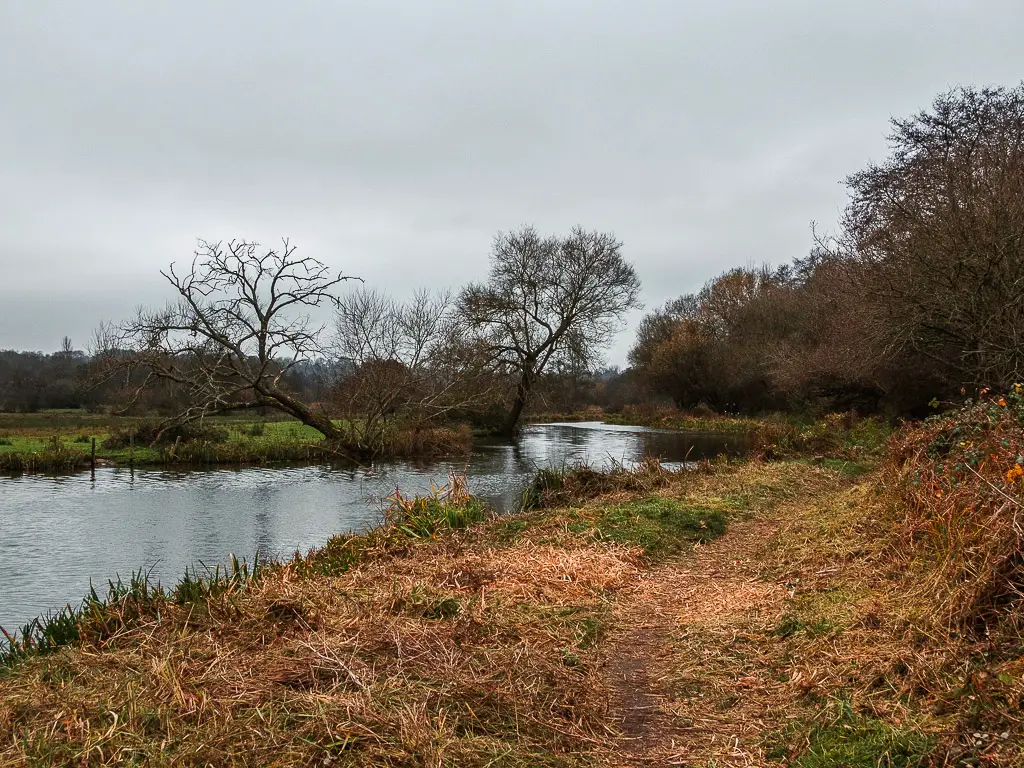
x=63, y=442
x=748, y=613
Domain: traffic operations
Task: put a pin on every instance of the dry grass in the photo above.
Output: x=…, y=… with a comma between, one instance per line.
x=472, y=648
x=959, y=480
x=867, y=643
x=703, y=627
x=448, y=656
x=807, y=635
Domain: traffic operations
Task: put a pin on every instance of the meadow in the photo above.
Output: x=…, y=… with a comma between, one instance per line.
x=62, y=441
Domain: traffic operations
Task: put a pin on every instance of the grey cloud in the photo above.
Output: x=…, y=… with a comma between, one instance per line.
x=393, y=139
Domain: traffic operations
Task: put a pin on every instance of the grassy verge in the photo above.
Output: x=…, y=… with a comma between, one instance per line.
x=673, y=418
x=903, y=635
x=839, y=436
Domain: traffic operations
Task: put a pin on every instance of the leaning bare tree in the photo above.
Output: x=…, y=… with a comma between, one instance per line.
x=240, y=325
x=548, y=299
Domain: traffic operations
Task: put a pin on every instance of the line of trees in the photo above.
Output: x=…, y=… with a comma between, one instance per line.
x=920, y=293
x=30, y=381
x=240, y=334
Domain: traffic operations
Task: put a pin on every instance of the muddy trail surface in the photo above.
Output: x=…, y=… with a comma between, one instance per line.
x=691, y=671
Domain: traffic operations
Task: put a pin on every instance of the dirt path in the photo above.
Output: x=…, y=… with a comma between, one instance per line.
x=689, y=680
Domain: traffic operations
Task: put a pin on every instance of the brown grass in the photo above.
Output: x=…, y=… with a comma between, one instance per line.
x=541, y=639
x=408, y=660
x=960, y=484
x=868, y=625
x=462, y=650
x=427, y=442
x=794, y=634
x=703, y=627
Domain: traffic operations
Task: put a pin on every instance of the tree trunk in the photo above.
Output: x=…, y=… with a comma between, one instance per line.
x=522, y=393
x=320, y=423
x=305, y=414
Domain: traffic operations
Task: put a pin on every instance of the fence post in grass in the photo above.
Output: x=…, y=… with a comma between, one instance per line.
x=92, y=460
x=131, y=450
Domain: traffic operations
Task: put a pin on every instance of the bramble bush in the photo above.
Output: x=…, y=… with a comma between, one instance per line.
x=960, y=479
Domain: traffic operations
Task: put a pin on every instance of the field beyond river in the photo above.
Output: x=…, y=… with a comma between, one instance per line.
x=56, y=441
x=62, y=441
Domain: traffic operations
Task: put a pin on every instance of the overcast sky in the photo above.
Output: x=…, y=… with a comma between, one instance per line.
x=393, y=139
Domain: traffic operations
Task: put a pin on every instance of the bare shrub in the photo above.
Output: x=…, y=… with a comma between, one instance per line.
x=410, y=372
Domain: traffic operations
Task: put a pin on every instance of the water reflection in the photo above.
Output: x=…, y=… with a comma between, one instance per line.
x=58, y=533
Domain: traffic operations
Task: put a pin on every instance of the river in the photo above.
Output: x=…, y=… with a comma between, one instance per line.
x=59, y=533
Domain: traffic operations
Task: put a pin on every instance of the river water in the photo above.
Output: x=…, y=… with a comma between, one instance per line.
x=58, y=534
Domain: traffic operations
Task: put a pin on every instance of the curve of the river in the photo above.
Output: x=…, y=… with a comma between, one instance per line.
x=58, y=534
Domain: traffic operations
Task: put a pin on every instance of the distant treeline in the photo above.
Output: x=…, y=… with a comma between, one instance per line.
x=31, y=381
x=36, y=381
x=919, y=294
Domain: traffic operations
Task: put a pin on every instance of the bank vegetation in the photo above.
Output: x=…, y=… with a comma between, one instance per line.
x=868, y=618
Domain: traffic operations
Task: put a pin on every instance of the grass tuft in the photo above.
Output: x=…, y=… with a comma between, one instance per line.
x=577, y=483
x=445, y=508
x=125, y=603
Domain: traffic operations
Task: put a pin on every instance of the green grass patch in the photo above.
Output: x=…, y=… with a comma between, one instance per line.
x=428, y=516
x=424, y=603
x=334, y=558
x=791, y=624
x=854, y=741
x=837, y=605
x=588, y=632
x=659, y=525
x=820, y=613
x=509, y=530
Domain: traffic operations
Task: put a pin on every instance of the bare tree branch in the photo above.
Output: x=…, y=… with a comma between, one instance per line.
x=548, y=299
x=240, y=323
